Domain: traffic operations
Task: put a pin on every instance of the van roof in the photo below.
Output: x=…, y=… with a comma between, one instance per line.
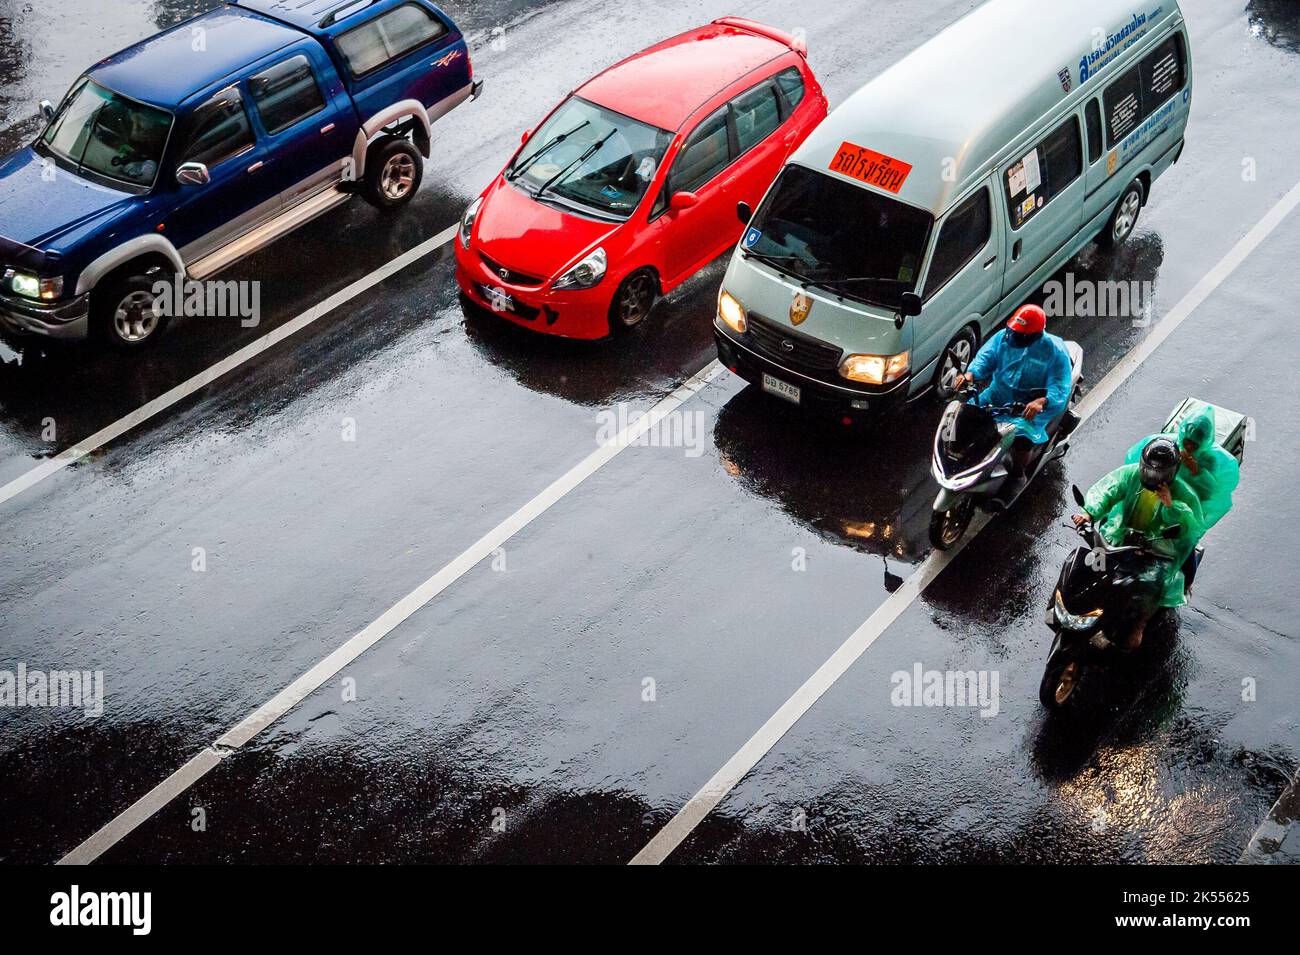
x=964, y=96
x=164, y=69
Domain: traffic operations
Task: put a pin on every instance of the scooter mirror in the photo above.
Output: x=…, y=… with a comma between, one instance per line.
x=1078, y=495
x=1173, y=532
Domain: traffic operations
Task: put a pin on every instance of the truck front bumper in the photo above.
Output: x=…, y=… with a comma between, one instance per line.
x=62, y=320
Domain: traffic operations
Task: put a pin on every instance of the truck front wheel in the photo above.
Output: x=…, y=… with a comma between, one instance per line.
x=122, y=313
x=393, y=173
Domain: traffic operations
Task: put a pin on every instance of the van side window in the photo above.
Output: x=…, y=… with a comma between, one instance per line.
x=966, y=232
x=1044, y=173
x=1145, y=88
x=387, y=37
x=219, y=129
x=286, y=93
x=1093, y=115
x=791, y=83
x=705, y=154
x=756, y=114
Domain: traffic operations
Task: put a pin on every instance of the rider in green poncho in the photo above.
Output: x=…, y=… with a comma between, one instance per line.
x=1208, y=469
x=1144, y=499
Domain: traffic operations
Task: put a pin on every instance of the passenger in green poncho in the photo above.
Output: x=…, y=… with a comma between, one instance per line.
x=1210, y=470
x=1144, y=499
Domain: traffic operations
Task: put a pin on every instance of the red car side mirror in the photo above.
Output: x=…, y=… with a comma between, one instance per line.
x=683, y=200
x=525, y=137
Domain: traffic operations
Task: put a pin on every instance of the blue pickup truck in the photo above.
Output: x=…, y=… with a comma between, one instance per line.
x=192, y=149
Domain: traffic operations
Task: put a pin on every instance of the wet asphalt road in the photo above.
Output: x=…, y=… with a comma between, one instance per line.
x=521, y=689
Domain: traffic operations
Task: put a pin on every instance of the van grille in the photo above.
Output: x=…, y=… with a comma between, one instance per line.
x=792, y=349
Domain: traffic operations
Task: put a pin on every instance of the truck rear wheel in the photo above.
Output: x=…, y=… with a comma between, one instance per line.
x=393, y=173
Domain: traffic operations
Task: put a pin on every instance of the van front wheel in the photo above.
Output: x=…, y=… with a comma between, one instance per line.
x=956, y=358
x=1124, y=219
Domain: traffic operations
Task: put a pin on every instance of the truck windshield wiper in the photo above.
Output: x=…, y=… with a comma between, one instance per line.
x=514, y=174
x=577, y=163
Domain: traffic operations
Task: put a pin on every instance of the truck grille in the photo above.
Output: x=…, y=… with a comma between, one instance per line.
x=792, y=349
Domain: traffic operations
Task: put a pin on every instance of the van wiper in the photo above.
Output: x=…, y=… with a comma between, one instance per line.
x=855, y=280
x=514, y=174
x=590, y=151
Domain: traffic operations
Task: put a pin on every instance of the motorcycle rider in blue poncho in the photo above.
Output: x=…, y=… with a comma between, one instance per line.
x=1023, y=365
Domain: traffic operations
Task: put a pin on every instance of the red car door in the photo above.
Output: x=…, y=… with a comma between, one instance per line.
x=764, y=143
x=689, y=237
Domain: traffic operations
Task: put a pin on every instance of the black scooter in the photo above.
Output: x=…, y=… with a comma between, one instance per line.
x=1101, y=591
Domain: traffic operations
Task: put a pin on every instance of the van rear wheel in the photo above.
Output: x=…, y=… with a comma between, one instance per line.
x=1124, y=219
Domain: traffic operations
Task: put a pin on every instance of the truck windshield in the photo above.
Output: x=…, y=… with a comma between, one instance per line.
x=98, y=131
x=841, y=237
x=592, y=157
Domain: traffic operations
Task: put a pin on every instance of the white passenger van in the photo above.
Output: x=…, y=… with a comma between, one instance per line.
x=942, y=194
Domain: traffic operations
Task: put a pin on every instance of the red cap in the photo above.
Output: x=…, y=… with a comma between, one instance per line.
x=1030, y=320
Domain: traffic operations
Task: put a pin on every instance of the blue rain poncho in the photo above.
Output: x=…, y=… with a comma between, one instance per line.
x=1118, y=502
x=1213, y=473
x=1014, y=374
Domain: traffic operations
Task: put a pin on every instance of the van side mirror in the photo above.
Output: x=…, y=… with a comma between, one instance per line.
x=193, y=174
x=910, y=305
x=1078, y=495
x=683, y=200
x=744, y=213
x=47, y=110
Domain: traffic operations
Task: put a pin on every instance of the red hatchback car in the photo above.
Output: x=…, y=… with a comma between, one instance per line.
x=631, y=185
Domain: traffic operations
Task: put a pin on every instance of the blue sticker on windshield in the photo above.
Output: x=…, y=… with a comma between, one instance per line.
x=751, y=237
x=609, y=192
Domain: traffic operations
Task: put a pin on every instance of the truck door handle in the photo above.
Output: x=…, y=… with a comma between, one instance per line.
x=1015, y=250
x=256, y=166
x=327, y=129
x=989, y=263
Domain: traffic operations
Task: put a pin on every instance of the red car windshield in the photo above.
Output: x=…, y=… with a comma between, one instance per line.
x=590, y=158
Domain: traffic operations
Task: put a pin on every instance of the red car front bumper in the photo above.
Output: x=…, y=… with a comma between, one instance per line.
x=576, y=313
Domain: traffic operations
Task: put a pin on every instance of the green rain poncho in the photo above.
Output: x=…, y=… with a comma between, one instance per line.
x=1215, y=474
x=1116, y=502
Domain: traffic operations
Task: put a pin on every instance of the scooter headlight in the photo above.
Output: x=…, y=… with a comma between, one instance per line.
x=1073, y=621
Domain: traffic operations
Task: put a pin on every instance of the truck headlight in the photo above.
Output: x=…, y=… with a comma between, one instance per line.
x=30, y=286
x=732, y=312
x=876, y=369
x=1075, y=621
x=586, y=273
x=467, y=220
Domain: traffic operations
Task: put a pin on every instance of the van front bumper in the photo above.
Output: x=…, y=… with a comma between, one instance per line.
x=816, y=395
x=62, y=320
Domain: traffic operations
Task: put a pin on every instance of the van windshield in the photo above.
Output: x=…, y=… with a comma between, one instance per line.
x=840, y=237
x=100, y=132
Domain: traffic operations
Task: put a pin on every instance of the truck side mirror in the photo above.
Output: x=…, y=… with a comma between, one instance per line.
x=910, y=305
x=193, y=174
x=47, y=110
x=744, y=213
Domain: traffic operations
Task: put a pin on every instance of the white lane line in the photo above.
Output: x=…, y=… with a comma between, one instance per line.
x=747, y=757
x=270, y=711
x=204, y=378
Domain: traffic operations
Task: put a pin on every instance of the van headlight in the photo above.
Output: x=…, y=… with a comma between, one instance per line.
x=586, y=273
x=1075, y=621
x=732, y=312
x=467, y=220
x=30, y=286
x=876, y=369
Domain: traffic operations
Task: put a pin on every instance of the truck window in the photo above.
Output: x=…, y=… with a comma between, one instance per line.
x=286, y=93
x=1093, y=115
x=1044, y=172
x=385, y=38
x=963, y=236
x=219, y=129
x=791, y=83
x=757, y=115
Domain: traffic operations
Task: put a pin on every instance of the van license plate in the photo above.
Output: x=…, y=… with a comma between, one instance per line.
x=775, y=386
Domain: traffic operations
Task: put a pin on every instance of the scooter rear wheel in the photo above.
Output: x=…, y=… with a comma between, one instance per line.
x=948, y=527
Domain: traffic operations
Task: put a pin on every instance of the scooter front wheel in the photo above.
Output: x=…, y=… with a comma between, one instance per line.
x=1060, y=679
x=948, y=527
